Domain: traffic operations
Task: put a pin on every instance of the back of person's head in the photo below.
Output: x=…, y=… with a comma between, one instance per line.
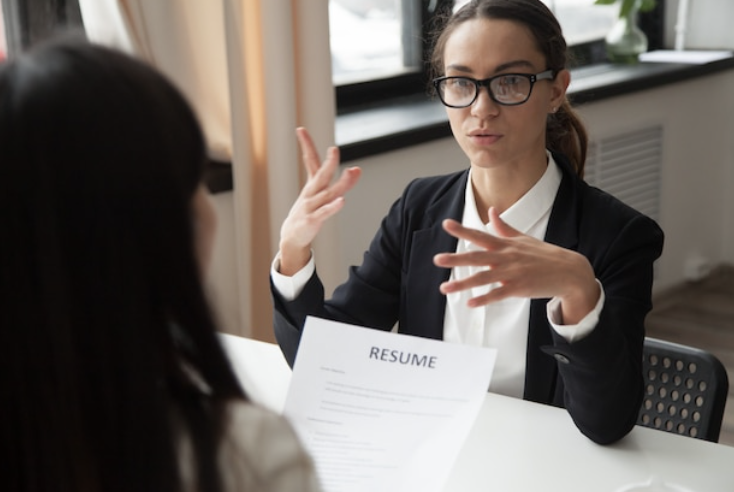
x=108, y=350
x=564, y=132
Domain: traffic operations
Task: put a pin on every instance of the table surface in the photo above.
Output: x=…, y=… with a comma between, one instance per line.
x=520, y=446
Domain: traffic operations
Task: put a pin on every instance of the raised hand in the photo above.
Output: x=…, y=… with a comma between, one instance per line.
x=522, y=266
x=319, y=199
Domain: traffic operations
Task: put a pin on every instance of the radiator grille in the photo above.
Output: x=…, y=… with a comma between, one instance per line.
x=628, y=166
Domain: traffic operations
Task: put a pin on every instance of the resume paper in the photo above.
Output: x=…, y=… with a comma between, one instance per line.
x=384, y=411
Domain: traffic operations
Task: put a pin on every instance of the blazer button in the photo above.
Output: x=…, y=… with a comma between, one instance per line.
x=561, y=358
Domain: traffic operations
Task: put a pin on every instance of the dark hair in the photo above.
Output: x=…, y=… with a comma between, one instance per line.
x=565, y=133
x=108, y=349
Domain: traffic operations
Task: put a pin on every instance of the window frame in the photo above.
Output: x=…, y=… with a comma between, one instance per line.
x=352, y=97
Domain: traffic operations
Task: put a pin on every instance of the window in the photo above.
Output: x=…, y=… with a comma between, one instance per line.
x=379, y=46
x=27, y=22
x=374, y=39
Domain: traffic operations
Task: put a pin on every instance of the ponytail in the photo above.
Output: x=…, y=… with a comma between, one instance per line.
x=566, y=134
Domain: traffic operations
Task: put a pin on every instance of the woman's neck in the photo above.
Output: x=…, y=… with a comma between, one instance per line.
x=500, y=187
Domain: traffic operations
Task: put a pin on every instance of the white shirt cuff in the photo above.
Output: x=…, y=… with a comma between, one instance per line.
x=578, y=331
x=291, y=287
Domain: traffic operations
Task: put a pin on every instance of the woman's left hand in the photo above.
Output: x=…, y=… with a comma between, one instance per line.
x=521, y=266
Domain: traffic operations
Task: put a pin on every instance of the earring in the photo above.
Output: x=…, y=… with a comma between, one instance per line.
x=554, y=109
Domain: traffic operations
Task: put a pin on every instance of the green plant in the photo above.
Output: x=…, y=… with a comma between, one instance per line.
x=625, y=6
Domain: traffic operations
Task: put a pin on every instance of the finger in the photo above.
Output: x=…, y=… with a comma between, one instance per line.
x=497, y=290
x=497, y=294
x=311, y=159
x=330, y=164
x=471, y=258
x=503, y=228
x=329, y=209
x=472, y=235
x=320, y=179
x=480, y=279
x=347, y=181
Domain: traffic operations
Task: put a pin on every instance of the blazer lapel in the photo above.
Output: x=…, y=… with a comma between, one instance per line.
x=425, y=306
x=564, y=218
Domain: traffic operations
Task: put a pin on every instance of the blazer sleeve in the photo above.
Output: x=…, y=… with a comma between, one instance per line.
x=602, y=373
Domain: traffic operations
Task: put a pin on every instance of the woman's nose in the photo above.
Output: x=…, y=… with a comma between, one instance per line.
x=483, y=106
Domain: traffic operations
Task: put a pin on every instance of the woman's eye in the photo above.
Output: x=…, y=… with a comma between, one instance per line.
x=460, y=83
x=511, y=80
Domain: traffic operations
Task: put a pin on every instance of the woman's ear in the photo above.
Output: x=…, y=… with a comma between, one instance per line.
x=559, y=87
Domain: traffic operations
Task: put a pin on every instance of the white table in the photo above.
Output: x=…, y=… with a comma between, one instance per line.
x=519, y=446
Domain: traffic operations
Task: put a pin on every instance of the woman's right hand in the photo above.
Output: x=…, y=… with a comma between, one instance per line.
x=319, y=199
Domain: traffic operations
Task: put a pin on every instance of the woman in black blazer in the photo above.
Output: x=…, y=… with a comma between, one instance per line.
x=517, y=252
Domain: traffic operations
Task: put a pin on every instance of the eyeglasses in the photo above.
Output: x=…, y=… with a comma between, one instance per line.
x=507, y=89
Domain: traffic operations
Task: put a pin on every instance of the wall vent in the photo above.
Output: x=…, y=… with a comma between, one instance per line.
x=628, y=166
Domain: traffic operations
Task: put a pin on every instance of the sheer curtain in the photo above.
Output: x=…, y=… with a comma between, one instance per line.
x=253, y=70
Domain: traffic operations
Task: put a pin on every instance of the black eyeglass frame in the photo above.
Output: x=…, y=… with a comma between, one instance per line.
x=549, y=74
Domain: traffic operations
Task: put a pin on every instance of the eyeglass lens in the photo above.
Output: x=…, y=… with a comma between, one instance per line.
x=505, y=89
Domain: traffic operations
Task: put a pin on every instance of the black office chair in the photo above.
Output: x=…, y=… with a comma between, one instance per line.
x=685, y=390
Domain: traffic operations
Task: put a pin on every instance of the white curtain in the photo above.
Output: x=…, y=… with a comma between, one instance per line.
x=253, y=70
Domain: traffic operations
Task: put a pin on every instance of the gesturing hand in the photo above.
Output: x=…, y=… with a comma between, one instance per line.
x=319, y=199
x=522, y=266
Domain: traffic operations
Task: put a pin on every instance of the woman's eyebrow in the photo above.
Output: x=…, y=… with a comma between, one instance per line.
x=459, y=68
x=514, y=64
x=500, y=68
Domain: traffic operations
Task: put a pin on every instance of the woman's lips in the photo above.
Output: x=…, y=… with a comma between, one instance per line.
x=482, y=139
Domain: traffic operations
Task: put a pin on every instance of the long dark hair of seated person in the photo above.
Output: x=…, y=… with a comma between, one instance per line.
x=108, y=351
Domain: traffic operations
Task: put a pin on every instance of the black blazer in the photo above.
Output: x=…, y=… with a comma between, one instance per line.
x=597, y=379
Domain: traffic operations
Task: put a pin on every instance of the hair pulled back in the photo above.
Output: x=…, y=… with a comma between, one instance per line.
x=565, y=133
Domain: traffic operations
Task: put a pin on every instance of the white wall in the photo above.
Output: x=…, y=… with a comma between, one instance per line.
x=708, y=26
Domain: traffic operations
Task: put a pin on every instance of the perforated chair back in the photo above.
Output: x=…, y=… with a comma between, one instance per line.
x=685, y=390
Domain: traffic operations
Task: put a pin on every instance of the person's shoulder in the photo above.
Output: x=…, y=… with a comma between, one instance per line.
x=439, y=181
x=241, y=413
x=610, y=209
x=602, y=217
x=256, y=427
x=595, y=201
x=262, y=451
x=607, y=218
x=596, y=198
x=431, y=187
